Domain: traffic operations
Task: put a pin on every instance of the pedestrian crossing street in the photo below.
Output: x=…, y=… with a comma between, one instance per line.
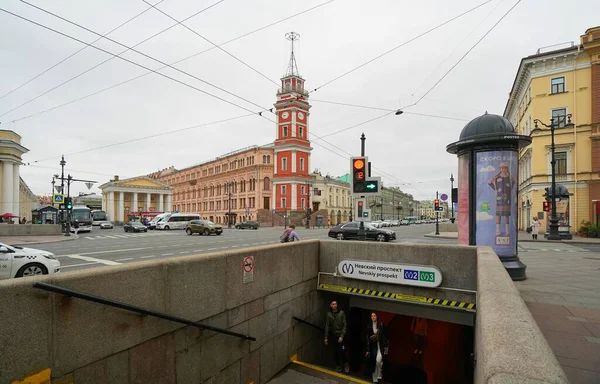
x=113, y=236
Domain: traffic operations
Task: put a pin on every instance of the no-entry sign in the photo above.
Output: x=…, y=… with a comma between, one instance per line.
x=248, y=268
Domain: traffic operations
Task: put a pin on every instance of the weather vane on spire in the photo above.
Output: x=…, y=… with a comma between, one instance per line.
x=292, y=67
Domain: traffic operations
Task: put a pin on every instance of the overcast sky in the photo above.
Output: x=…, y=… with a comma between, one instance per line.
x=407, y=150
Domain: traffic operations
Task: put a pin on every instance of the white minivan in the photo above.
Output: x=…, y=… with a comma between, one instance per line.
x=177, y=221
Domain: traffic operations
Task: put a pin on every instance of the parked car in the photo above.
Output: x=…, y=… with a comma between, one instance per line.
x=404, y=222
x=247, y=225
x=19, y=262
x=135, y=226
x=106, y=225
x=203, y=227
x=350, y=231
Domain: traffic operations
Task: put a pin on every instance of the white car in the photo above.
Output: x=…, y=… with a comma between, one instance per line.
x=18, y=262
x=106, y=225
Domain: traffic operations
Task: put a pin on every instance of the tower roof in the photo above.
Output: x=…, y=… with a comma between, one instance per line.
x=292, y=69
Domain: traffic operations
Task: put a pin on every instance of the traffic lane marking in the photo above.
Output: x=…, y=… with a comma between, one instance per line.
x=87, y=258
x=110, y=251
x=76, y=265
x=125, y=259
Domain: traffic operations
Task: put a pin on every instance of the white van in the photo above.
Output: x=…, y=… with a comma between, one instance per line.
x=177, y=221
x=156, y=219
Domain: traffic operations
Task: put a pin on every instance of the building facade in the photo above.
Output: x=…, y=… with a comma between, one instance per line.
x=28, y=201
x=332, y=195
x=393, y=204
x=11, y=152
x=560, y=83
x=291, y=147
x=236, y=185
x=136, y=196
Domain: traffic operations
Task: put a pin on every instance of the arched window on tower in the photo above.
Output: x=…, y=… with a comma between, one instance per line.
x=266, y=184
x=264, y=159
x=269, y=159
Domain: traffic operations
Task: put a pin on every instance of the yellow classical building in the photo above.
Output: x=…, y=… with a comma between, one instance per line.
x=560, y=83
x=139, y=196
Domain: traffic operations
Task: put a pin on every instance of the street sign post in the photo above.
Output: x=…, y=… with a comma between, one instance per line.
x=58, y=198
x=443, y=197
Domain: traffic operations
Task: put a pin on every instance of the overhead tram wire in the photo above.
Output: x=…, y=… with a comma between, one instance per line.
x=456, y=47
x=465, y=55
x=144, y=67
x=399, y=46
x=173, y=63
x=213, y=44
x=389, y=110
x=144, y=138
x=78, y=51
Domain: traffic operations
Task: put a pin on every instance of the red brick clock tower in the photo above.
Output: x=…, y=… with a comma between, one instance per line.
x=292, y=147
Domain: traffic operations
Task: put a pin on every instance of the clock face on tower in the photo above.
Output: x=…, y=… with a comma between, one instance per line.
x=300, y=115
x=285, y=115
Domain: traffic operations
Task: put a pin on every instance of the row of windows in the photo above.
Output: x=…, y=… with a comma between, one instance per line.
x=234, y=164
x=284, y=164
x=557, y=85
x=222, y=189
x=302, y=203
x=222, y=204
x=302, y=190
x=558, y=115
x=285, y=132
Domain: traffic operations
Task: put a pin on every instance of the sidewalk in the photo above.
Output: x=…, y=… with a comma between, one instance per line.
x=26, y=240
x=562, y=292
x=525, y=237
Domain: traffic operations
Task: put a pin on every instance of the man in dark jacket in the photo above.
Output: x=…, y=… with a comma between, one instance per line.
x=335, y=329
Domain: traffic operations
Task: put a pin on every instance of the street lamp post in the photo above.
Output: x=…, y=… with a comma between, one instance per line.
x=554, y=122
x=451, y=195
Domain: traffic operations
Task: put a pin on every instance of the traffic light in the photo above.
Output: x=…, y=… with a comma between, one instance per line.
x=359, y=174
x=546, y=206
x=68, y=203
x=436, y=203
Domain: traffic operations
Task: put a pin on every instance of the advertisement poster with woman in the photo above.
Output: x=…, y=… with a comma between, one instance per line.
x=496, y=201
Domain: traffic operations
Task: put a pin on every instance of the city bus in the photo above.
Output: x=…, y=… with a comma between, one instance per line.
x=98, y=216
x=82, y=215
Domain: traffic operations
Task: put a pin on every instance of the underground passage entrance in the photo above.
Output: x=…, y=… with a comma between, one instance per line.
x=426, y=344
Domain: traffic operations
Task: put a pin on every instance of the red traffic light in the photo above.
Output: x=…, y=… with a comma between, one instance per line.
x=360, y=203
x=546, y=206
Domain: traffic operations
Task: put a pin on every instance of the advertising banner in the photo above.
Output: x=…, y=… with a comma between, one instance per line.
x=462, y=209
x=496, y=201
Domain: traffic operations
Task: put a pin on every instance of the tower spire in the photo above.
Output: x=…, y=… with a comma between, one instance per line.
x=292, y=69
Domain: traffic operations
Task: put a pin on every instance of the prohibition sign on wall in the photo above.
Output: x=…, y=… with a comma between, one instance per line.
x=248, y=263
x=248, y=269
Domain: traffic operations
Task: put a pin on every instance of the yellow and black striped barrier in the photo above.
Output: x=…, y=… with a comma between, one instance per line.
x=398, y=296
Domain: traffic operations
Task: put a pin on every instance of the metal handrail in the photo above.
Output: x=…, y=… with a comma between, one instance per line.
x=308, y=323
x=132, y=308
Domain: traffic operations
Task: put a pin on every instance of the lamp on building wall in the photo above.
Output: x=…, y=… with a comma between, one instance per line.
x=398, y=209
x=554, y=123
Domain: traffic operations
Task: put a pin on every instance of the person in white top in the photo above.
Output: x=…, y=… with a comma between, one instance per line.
x=377, y=346
x=535, y=228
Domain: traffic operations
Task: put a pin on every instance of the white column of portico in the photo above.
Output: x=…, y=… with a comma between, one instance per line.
x=121, y=207
x=169, y=208
x=110, y=205
x=7, y=189
x=16, y=194
x=148, y=201
x=134, y=204
x=161, y=203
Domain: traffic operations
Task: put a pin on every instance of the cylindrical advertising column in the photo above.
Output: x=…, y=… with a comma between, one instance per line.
x=488, y=159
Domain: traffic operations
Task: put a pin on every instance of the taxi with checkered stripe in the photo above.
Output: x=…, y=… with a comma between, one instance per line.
x=20, y=262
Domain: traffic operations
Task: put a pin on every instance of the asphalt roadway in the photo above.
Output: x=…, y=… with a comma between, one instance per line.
x=113, y=246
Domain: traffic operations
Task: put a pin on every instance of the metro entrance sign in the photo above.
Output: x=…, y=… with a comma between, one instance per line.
x=391, y=273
